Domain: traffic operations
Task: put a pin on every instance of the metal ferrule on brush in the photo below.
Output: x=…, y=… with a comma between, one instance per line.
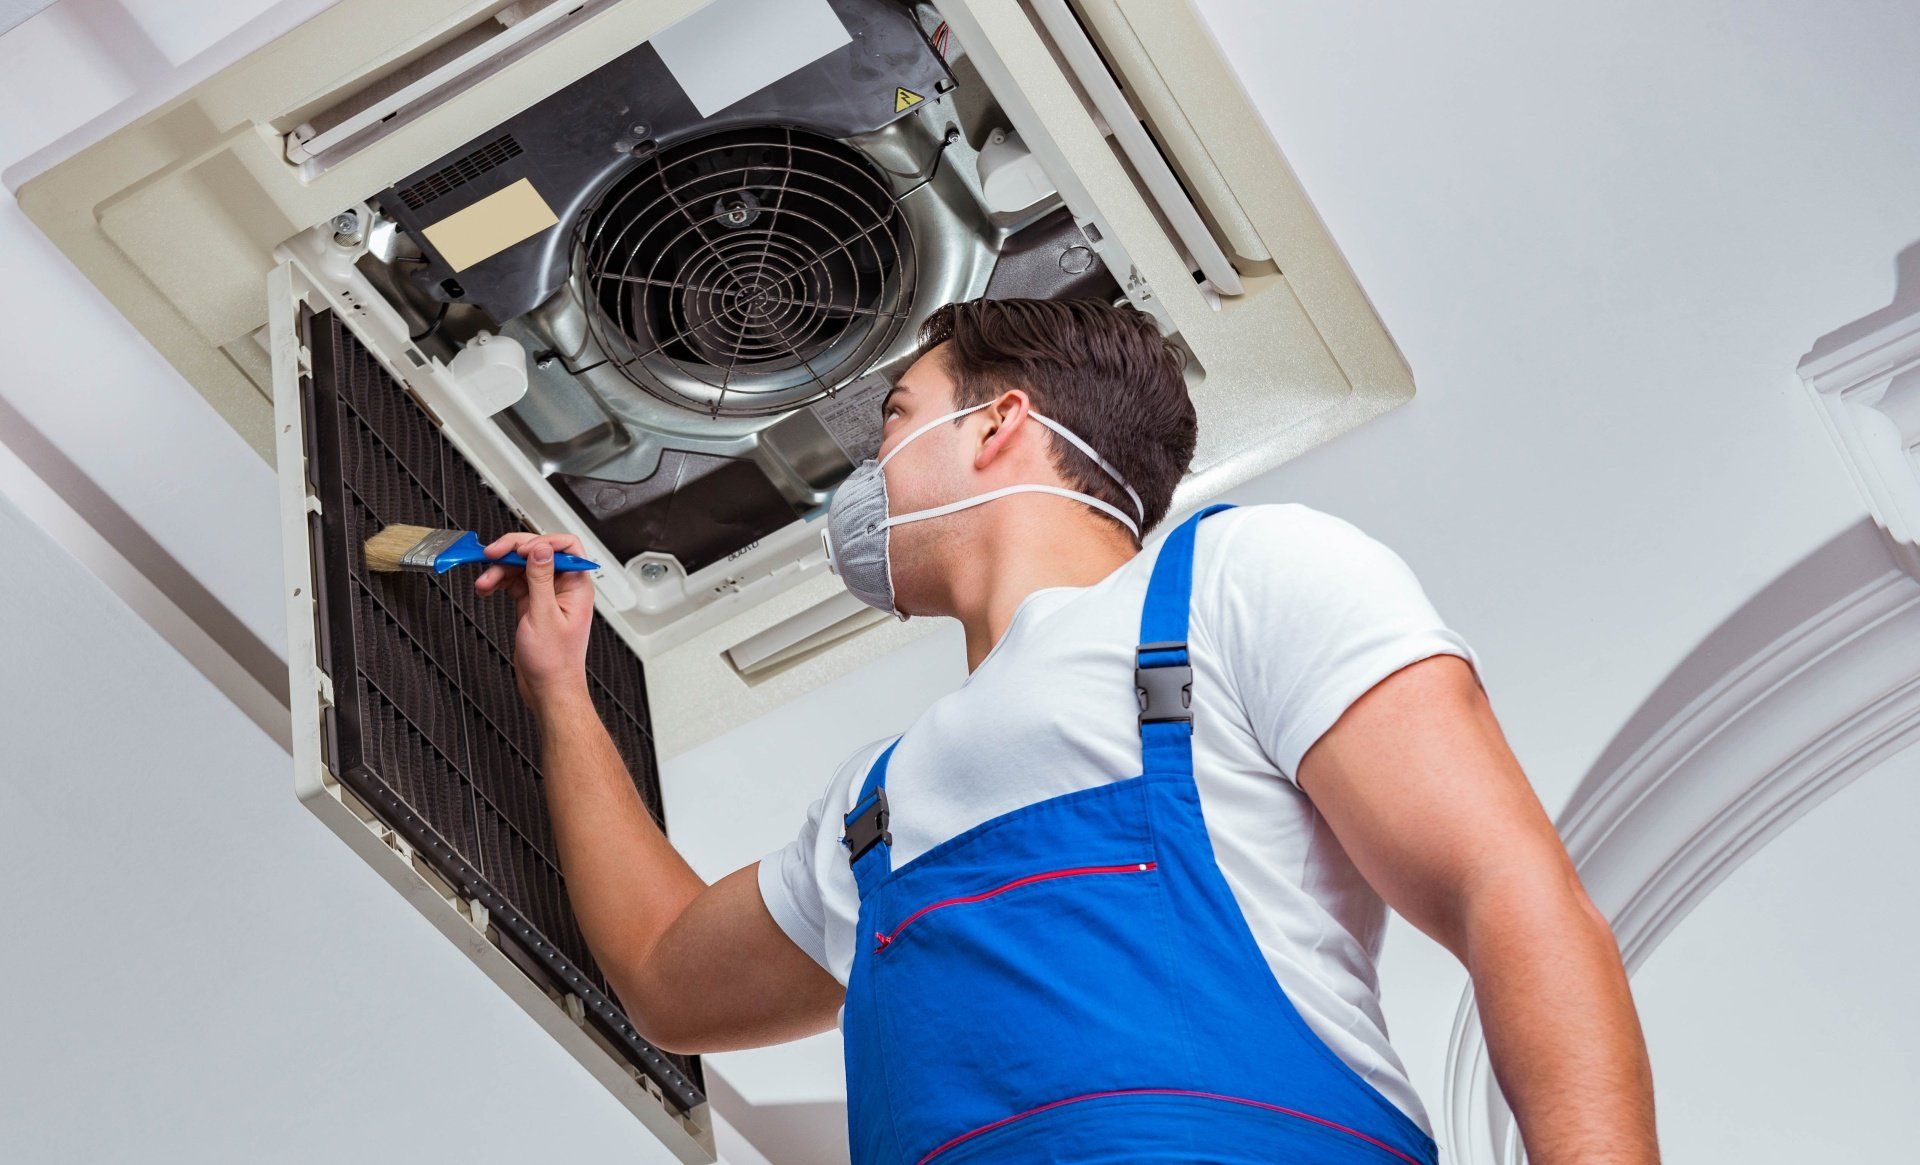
x=426, y=553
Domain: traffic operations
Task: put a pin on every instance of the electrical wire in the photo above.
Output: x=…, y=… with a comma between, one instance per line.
x=439, y=318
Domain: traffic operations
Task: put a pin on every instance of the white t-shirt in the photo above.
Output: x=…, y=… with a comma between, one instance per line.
x=1295, y=614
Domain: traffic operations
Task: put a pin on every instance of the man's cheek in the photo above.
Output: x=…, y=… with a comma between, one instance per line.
x=908, y=551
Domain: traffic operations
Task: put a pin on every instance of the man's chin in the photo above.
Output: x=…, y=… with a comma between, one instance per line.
x=914, y=607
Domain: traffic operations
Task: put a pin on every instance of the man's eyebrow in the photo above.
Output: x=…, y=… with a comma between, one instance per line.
x=897, y=387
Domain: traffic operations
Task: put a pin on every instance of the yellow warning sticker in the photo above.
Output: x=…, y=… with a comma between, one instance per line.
x=905, y=99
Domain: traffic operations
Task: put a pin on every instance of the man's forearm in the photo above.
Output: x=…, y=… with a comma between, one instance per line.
x=1562, y=1033
x=625, y=880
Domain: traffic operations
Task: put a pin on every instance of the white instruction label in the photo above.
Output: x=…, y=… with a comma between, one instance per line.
x=732, y=49
x=852, y=415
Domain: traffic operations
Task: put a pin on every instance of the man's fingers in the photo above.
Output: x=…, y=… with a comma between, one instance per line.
x=539, y=571
x=507, y=542
x=519, y=539
x=494, y=578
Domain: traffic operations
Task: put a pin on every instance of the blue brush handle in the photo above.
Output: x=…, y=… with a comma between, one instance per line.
x=468, y=551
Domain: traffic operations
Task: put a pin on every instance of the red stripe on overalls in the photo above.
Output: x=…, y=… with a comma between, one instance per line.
x=1305, y=1116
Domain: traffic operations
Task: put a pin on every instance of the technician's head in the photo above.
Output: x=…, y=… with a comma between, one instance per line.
x=1026, y=369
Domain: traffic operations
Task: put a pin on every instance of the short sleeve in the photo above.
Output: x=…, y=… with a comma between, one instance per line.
x=805, y=889
x=1312, y=612
x=792, y=895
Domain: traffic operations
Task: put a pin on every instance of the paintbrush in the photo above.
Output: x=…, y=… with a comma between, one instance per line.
x=421, y=548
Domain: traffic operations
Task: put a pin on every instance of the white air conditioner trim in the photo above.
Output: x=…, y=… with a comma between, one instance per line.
x=465, y=922
x=316, y=151
x=1162, y=186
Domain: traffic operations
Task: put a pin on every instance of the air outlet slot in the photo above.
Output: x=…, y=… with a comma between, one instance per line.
x=458, y=173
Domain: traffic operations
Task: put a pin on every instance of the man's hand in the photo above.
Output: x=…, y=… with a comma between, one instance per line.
x=556, y=612
x=1417, y=782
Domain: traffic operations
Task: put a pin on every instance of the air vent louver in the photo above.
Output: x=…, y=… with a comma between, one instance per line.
x=458, y=173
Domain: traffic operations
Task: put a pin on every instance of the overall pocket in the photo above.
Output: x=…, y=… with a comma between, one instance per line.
x=884, y=938
x=1036, y=985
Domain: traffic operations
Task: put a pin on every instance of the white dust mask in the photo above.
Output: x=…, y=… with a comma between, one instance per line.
x=856, y=537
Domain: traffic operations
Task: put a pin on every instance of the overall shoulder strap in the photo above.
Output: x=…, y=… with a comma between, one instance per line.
x=1163, y=672
x=869, y=844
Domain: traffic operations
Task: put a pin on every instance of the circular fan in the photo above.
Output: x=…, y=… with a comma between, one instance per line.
x=746, y=272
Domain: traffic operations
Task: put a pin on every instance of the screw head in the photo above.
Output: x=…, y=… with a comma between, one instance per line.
x=653, y=571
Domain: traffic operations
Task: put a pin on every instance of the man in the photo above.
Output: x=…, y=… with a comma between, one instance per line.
x=1119, y=896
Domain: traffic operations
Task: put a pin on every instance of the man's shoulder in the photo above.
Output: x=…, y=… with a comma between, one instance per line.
x=852, y=772
x=1256, y=538
x=1289, y=561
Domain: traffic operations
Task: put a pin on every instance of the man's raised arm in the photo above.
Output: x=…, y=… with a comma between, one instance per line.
x=698, y=968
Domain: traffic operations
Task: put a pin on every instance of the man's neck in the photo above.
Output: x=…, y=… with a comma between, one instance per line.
x=1029, y=552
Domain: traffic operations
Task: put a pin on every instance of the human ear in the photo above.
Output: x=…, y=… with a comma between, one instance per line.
x=1003, y=421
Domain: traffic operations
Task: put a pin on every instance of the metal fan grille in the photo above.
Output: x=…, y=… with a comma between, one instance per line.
x=747, y=272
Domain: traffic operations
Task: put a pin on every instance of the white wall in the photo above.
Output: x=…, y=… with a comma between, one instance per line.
x=1602, y=236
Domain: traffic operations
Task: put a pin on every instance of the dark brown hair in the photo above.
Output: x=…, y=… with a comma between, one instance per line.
x=1104, y=372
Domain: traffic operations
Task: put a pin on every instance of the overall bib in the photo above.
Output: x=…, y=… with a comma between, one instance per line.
x=1073, y=982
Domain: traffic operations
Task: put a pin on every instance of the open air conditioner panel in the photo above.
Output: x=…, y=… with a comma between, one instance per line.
x=710, y=307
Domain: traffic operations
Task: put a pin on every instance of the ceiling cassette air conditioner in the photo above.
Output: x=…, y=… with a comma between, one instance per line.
x=641, y=270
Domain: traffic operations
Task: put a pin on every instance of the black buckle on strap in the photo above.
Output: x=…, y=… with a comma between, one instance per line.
x=868, y=828
x=1165, y=689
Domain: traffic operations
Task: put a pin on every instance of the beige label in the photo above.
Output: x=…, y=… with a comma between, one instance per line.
x=491, y=225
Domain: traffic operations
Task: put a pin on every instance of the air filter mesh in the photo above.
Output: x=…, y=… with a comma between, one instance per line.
x=427, y=726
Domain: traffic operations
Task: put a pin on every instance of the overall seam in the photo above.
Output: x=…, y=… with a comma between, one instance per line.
x=884, y=1054
x=1250, y=947
x=1186, y=1094
x=1168, y=965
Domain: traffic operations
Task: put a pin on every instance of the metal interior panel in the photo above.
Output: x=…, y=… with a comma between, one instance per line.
x=572, y=144
x=427, y=726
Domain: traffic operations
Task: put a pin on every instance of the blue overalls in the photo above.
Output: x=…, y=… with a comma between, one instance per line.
x=1073, y=982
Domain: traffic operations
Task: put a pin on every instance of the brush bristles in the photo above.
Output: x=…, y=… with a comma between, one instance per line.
x=387, y=550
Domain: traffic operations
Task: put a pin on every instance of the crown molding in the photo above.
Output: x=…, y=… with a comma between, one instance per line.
x=1865, y=384
x=1808, y=685
x=1725, y=755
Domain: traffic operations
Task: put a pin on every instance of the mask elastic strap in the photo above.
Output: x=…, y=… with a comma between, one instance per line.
x=1003, y=491
x=908, y=439
x=1138, y=509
